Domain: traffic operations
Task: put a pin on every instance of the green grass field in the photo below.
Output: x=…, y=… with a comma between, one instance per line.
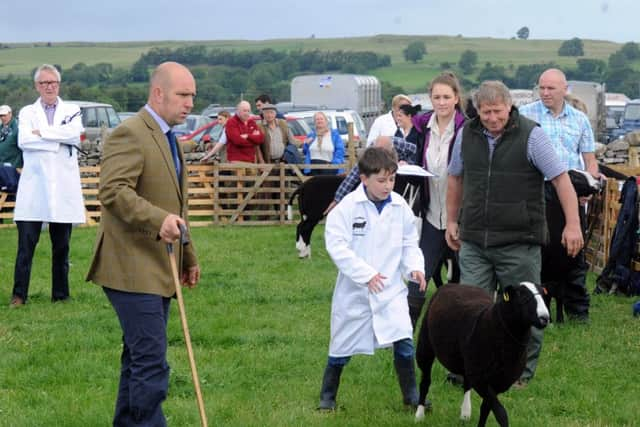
x=259, y=322
x=22, y=58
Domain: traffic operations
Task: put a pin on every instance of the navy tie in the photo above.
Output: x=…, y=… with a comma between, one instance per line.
x=173, y=145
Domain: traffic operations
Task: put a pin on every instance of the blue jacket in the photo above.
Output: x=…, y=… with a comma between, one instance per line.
x=338, y=150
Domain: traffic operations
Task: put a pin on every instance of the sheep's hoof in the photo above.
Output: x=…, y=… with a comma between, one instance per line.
x=305, y=252
x=422, y=409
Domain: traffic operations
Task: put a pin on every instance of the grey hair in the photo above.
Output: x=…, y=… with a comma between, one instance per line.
x=492, y=92
x=46, y=67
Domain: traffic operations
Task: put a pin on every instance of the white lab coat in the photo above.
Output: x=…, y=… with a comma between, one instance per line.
x=362, y=243
x=49, y=188
x=384, y=125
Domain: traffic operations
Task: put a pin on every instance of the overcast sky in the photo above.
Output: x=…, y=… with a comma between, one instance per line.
x=119, y=20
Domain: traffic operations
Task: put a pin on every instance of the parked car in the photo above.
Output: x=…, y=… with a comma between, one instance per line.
x=95, y=115
x=212, y=131
x=299, y=128
x=125, y=115
x=212, y=110
x=193, y=122
x=339, y=120
x=209, y=132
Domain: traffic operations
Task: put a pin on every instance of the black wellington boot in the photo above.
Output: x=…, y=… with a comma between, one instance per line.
x=329, y=390
x=406, y=371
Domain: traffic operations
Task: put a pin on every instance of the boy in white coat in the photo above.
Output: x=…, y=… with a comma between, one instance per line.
x=372, y=239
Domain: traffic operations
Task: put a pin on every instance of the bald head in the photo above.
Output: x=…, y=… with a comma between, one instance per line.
x=171, y=92
x=385, y=142
x=243, y=110
x=554, y=74
x=553, y=87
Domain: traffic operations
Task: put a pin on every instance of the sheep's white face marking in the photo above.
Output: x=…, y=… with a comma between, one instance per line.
x=465, y=409
x=541, y=307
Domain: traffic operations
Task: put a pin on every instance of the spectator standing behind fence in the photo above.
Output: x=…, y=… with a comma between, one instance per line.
x=437, y=130
x=9, y=150
x=143, y=191
x=243, y=135
x=49, y=190
x=496, y=185
x=223, y=117
x=572, y=138
x=371, y=237
x=385, y=125
x=323, y=146
x=277, y=135
x=263, y=100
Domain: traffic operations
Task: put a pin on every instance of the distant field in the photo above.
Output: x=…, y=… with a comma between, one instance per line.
x=22, y=58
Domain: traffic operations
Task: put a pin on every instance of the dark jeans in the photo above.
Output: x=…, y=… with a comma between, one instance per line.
x=28, y=236
x=144, y=371
x=402, y=349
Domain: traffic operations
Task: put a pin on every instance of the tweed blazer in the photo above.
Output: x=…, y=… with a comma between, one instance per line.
x=138, y=189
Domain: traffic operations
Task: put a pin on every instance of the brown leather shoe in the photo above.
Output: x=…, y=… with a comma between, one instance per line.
x=16, y=302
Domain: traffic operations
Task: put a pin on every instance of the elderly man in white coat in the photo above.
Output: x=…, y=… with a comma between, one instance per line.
x=49, y=190
x=372, y=238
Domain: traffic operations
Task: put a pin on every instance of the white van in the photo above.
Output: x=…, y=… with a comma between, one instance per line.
x=339, y=120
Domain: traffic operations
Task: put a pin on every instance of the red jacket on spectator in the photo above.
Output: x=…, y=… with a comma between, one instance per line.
x=241, y=149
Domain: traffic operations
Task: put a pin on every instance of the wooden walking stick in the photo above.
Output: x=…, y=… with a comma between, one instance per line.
x=185, y=327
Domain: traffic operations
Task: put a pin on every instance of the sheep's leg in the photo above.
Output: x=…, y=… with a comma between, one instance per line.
x=485, y=408
x=490, y=402
x=465, y=408
x=500, y=413
x=303, y=231
x=424, y=358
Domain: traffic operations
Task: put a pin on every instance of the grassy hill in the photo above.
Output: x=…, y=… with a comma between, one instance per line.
x=22, y=58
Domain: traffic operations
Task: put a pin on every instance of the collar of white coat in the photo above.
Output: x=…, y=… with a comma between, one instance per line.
x=361, y=196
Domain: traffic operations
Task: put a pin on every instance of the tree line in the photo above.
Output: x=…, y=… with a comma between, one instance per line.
x=618, y=72
x=225, y=76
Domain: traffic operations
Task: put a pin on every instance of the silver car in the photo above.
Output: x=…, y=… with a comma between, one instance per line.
x=95, y=115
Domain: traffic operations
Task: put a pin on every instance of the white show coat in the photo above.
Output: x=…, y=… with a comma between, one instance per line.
x=362, y=243
x=384, y=125
x=49, y=188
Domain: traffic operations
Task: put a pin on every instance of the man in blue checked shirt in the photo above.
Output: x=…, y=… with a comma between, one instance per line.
x=572, y=138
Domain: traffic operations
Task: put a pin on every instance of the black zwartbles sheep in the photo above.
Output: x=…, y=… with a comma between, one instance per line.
x=314, y=197
x=486, y=342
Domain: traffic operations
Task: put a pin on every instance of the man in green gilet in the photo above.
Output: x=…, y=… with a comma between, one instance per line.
x=495, y=199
